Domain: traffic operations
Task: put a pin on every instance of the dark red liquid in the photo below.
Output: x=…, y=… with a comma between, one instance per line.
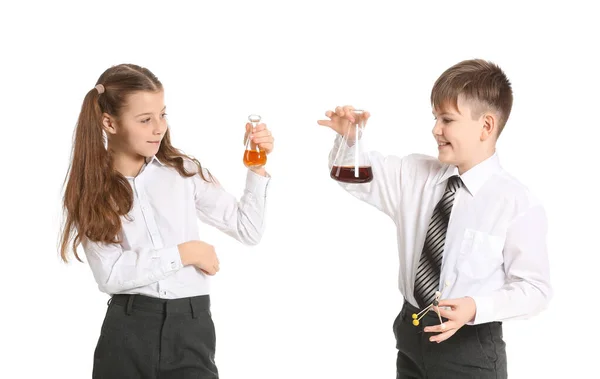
x=346, y=174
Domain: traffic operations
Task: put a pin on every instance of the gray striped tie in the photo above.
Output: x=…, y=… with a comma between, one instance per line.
x=428, y=273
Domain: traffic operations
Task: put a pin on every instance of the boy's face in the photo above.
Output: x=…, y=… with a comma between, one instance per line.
x=463, y=141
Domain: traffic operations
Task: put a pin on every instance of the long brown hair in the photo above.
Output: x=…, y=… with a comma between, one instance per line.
x=96, y=195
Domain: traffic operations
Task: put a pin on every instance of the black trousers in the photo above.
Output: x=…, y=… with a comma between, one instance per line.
x=474, y=351
x=145, y=337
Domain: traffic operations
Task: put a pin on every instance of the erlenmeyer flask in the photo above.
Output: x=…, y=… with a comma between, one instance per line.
x=351, y=163
x=253, y=155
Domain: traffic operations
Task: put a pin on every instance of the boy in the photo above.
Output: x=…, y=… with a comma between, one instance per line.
x=468, y=232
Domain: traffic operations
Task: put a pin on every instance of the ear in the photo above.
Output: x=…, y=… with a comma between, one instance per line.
x=489, y=126
x=108, y=124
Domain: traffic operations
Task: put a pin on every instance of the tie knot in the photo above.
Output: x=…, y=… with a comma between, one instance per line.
x=454, y=183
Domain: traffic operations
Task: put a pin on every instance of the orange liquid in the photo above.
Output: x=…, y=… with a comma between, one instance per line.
x=347, y=174
x=255, y=158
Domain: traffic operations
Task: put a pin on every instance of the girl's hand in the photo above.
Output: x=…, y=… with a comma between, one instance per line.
x=260, y=136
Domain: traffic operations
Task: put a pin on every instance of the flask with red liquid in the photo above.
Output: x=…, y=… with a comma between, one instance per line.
x=351, y=163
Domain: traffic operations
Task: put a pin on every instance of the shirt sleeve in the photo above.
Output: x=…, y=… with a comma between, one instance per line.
x=527, y=290
x=243, y=219
x=383, y=192
x=117, y=270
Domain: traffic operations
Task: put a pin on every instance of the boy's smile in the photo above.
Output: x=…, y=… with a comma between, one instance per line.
x=463, y=134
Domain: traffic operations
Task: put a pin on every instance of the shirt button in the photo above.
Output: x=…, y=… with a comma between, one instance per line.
x=173, y=265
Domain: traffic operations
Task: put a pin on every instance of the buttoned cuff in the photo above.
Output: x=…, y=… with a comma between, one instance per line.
x=257, y=184
x=485, y=310
x=170, y=260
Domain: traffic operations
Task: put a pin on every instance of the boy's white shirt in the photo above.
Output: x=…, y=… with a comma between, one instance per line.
x=495, y=249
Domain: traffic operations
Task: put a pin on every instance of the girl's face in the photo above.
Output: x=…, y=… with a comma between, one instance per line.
x=140, y=127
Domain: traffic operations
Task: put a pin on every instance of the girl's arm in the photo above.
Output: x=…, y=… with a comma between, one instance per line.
x=117, y=270
x=243, y=219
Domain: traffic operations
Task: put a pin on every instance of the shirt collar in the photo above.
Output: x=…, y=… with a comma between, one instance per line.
x=147, y=162
x=153, y=159
x=476, y=177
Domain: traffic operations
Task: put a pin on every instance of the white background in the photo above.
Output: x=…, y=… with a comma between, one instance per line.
x=317, y=297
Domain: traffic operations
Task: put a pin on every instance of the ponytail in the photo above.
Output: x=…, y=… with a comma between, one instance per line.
x=95, y=195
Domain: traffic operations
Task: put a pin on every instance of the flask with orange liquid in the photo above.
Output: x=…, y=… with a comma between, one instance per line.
x=253, y=155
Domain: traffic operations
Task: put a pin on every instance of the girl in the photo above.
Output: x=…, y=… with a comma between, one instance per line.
x=131, y=200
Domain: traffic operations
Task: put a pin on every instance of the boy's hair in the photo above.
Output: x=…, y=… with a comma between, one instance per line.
x=96, y=195
x=481, y=82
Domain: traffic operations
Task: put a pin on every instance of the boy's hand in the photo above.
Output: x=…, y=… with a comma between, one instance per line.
x=342, y=119
x=461, y=311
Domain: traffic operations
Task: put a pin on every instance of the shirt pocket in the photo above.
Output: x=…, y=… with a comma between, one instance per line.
x=480, y=254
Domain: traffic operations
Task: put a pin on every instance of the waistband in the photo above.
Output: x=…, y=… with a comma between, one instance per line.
x=192, y=305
